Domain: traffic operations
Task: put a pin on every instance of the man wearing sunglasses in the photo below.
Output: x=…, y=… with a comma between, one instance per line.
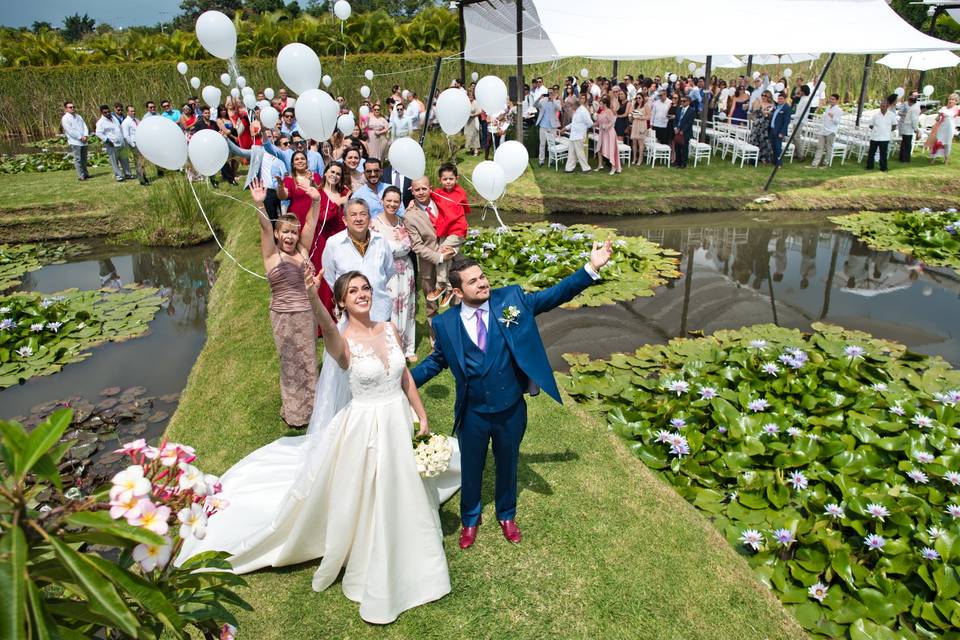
x=288, y=123
x=297, y=143
x=372, y=190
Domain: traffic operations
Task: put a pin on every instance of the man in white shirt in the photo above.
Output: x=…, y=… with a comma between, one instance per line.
x=414, y=111
x=77, y=132
x=581, y=122
x=658, y=118
x=820, y=95
x=760, y=84
x=129, y=130
x=548, y=119
x=909, y=125
x=108, y=130
x=358, y=248
x=881, y=127
x=828, y=132
x=401, y=125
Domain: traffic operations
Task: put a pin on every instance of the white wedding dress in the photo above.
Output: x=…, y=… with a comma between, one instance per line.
x=348, y=493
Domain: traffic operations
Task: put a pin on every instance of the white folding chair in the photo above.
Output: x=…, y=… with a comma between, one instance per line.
x=557, y=149
x=699, y=151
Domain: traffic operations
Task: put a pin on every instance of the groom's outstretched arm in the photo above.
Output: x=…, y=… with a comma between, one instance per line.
x=431, y=366
x=571, y=286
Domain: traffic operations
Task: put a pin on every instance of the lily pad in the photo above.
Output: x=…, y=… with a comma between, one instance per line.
x=110, y=391
x=18, y=259
x=933, y=237
x=159, y=416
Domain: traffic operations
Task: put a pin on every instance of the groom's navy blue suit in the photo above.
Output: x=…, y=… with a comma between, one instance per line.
x=490, y=385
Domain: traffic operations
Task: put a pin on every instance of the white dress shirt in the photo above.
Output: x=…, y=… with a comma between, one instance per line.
x=658, y=117
x=267, y=175
x=340, y=256
x=75, y=128
x=581, y=122
x=882, y=125
x=129, y=130
x=468, y=315
x=832, y=118
x=413, y=114
x=108, y=128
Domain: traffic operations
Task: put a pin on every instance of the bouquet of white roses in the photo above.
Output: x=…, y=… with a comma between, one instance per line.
x=432, y=453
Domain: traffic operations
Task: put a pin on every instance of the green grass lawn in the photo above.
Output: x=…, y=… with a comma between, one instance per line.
x=609, y=550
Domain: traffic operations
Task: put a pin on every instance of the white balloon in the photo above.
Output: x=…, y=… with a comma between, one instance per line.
x=225, y=79
x=365, y=91
x=235, y=92
x=899, y=91
x=453, y=110
x=241, y=82
x=327, y=81
x=491, y=94
x=317, y=114
x=208, y=151
x=263, y=104
x=474, y=76
x=291, y=103
x=247, y=91
x=249, y=101
x=182, y=68
x=778, y=86
x=691, y=66
x=406, y=156
x=342, y=9
x=161, y=141
x=268, y=93
x=364, y=111
x=345, y=124
x=787, y=72
x=216, y=34
x=269, y=117
x=928, y=90
x=368, y=74
x=299, y=67
x=672, y=77
x=405, y=94
x=211, y=96
x=595, y=91
x=584, y=73
x=488, y=179
x=513, y=158
x=756, y=74
x=195, y=82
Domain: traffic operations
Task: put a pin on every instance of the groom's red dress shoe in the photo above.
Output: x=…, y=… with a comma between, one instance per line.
x=510, y=530
x=468, y=535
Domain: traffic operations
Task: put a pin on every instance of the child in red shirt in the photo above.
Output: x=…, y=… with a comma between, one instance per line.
x=451, y=226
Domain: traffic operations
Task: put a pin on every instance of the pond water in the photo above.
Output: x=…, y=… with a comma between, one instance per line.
x=743, y=268
x=161, y=359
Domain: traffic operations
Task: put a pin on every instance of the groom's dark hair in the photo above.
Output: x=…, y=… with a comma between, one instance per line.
x=458, y=265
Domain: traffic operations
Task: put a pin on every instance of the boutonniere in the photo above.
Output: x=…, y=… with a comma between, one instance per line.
x=510, y=315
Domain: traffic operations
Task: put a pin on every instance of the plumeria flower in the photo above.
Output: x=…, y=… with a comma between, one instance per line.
x=678, y=386
x=36, y=327
x=132, y=448
x=795, y=432
x=952, y=477
x=228, y=632
x=953, y=510
x=854, y=351
x=752, y=538
x=54, y=326
x=25, y=352
x=929, y=554
x=770, y=429
x=678, y=423
x=770, y=368
x=125, y=506
x=897, y=410
x=169, y=455
x=922, y=421
x=151, y=556
x=918, y=476
x=833, y=510
x=129, y=482
x=708, y=393
x=874, y=542
x=192, y=479
x=879, y=386
x=877, y=511
x=784, y=537
x=215, y=503
x=818, y=591
x=760, y=404
x=6, y=324
x=193, y=521
x=758, y=344
x=151, y=517
x=935, y=532
x=925, y=457
x=798, y=480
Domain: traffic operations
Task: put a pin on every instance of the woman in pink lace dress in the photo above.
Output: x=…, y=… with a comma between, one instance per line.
x=402, y=286
x=606, y=121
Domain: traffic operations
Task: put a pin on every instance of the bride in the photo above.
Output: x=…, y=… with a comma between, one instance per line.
x=349, y=490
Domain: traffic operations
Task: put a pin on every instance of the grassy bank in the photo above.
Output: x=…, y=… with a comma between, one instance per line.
x=609, y=551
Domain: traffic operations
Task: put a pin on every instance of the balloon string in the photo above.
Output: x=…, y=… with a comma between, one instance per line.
x=214, y=233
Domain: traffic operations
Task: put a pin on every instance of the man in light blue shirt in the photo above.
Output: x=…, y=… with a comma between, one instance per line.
x=372, y=190
x=297, y=143
x=548, y=119
x=169, y=112
x=288, y=123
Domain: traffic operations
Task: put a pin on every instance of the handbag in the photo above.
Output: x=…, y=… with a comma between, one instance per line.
x=679, y=138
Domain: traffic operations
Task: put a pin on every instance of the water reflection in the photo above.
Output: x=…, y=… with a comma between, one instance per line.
x=740, y=270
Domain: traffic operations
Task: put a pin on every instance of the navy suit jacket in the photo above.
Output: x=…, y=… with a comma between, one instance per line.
x=685, y=124
x=522, y=338
x=779, y=127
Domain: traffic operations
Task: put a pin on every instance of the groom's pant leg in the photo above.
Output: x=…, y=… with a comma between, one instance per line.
x=507, y=432
x=473, y=437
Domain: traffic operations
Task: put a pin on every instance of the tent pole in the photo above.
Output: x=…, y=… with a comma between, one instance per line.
x=803, y=116
x=863, y=87
x=463, y=45
x=933, y=27
x=613, y=74
x=433, y=89
x=749, y=67
x=705, y=114
x=519, y=70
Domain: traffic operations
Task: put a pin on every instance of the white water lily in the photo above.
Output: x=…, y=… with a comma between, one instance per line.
x=818, y=591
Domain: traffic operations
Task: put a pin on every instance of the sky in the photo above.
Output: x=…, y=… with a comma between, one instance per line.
x=118, y=13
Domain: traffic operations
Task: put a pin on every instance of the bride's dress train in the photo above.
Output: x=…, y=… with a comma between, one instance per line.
x=349, y=493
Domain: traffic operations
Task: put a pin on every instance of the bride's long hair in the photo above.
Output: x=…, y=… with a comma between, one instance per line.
x=340, y=290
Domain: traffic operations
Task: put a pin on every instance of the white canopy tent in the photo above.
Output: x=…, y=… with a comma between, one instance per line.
x=720, y=62
x=920, y=60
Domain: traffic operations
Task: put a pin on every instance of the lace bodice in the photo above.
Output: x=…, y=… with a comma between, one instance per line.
x=376, y=365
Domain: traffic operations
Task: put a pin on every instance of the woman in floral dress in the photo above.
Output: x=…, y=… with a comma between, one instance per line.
x=402, y=286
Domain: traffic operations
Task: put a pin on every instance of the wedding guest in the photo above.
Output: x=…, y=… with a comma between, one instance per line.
x=882, y=126
x=108, y=130
x=354, y=169
x=606, y=122
x=419, y=217
x=570, y=103
x=684, y=131
x=739, y=104
x=639, y=119
x=779, y=125
x=284, y=249
x=357, y=248
x=659, y=113
x=548, y=119
x=451, y=226
x=909, y=128
x=760, y=126
x=169, y=112
x=471, y=131
x=288, y=123
x=315, y=161
x=187, y=117
x=940, y=140
x=829, y=127
x=402, y=286
x=129, y=130
x=77, y=134
x=377, y=129
x=372, y=189
x=581, y=123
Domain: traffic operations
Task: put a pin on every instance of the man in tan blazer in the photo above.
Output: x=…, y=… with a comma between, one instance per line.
x=419, y=218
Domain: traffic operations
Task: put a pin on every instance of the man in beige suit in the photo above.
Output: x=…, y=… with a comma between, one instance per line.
x=419, y=218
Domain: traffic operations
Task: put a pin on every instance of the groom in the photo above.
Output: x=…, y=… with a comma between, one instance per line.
x=493, y=347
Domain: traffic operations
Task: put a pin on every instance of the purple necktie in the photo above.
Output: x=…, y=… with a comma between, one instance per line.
x=481, y=331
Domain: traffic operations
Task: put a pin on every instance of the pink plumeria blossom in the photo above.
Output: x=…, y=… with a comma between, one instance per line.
x=129, y=482
x=228, y=631
x=193, y=521
x=152, y=517
x=151, y=556
x=125, y=507
x=132, y=448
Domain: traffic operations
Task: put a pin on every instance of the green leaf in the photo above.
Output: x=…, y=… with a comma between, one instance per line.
x=102, y=521
x=865, y=630
x=14, y=441
x=144, y=592
x=808, y=615
x=43, y=437
x=44, y=627
x=13, y=583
